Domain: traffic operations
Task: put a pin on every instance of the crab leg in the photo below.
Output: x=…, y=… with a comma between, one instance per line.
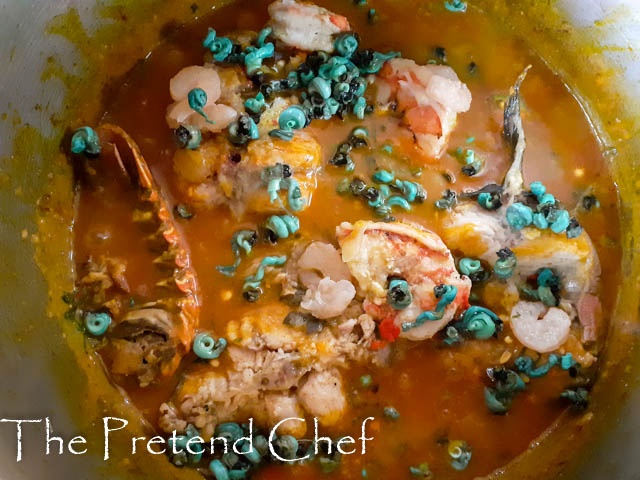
x=162, y=329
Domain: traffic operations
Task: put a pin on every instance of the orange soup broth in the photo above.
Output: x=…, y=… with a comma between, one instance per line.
x=438, y=390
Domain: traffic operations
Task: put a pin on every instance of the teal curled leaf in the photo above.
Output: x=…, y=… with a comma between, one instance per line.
x=252, y=283
x=366, y=380
x=85, y=140
x=294, y=195
x=321, y=87
x=421, y=471
x=412, y=191
x=346, y=44
x=456, y=6
x=255, y=104
x=283, y=225
x=262, y=36
x=197, y=98
x=479, y=321
x=188, y=136
x=506, y=264
x=243, y=130
x=540, y=221
x=452, y=336
x=293, y=118
x=473, y=163
x=399, y=294
x=538, y=189
x=183, y=456
x=335, y=74
x=561, y=222
x=331, y=107
x=280, y=134
x=546, y=278
x=567, y=361
x=494, y=402
x=380, y=198
x=519, y=216
x=525, y=365
x=242, y=240
x=469, y=266
x=547, y=297
x=579, y=397
x=460, y=453
x=391, y=412
x=97, y=323
x=208, y=40
x=398, y=201
x=506, y=384
x=383, y=176
x=207, y=347
x=229, y=430
x=359, y=137
x=360, y=107
x=219, y=471
x=253, y=59
x=374, y=63
x=448, y=201
x=489, y=201
x=446, y=295
x=221, y=47
x=286, y=446
x=547, y=198
x=574, y=229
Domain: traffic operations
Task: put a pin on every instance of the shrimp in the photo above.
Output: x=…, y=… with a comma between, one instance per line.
x=379, y=252
x=329, y=298
x=541, y=329
x=429, y=96
x=305, y=26
x=219, y=116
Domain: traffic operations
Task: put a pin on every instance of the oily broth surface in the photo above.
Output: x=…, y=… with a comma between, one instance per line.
x=438, y=391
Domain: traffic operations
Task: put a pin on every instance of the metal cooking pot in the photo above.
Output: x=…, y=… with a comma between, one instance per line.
x=53, y=57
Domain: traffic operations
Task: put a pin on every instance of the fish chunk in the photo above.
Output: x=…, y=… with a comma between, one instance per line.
x=322, y=395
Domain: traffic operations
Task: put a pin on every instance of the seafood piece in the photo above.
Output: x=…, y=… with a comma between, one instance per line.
x=321, y=260
x=271, y=357
x=377, y=253
x=574, y=260
x=305, y=26
x=280, y=406
x=329, y=298
x=538, y=328
x=477, y=232
x=322, y=395
x=217, y=172
x=148, y=340
x=429, y=96
x=213, y=117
